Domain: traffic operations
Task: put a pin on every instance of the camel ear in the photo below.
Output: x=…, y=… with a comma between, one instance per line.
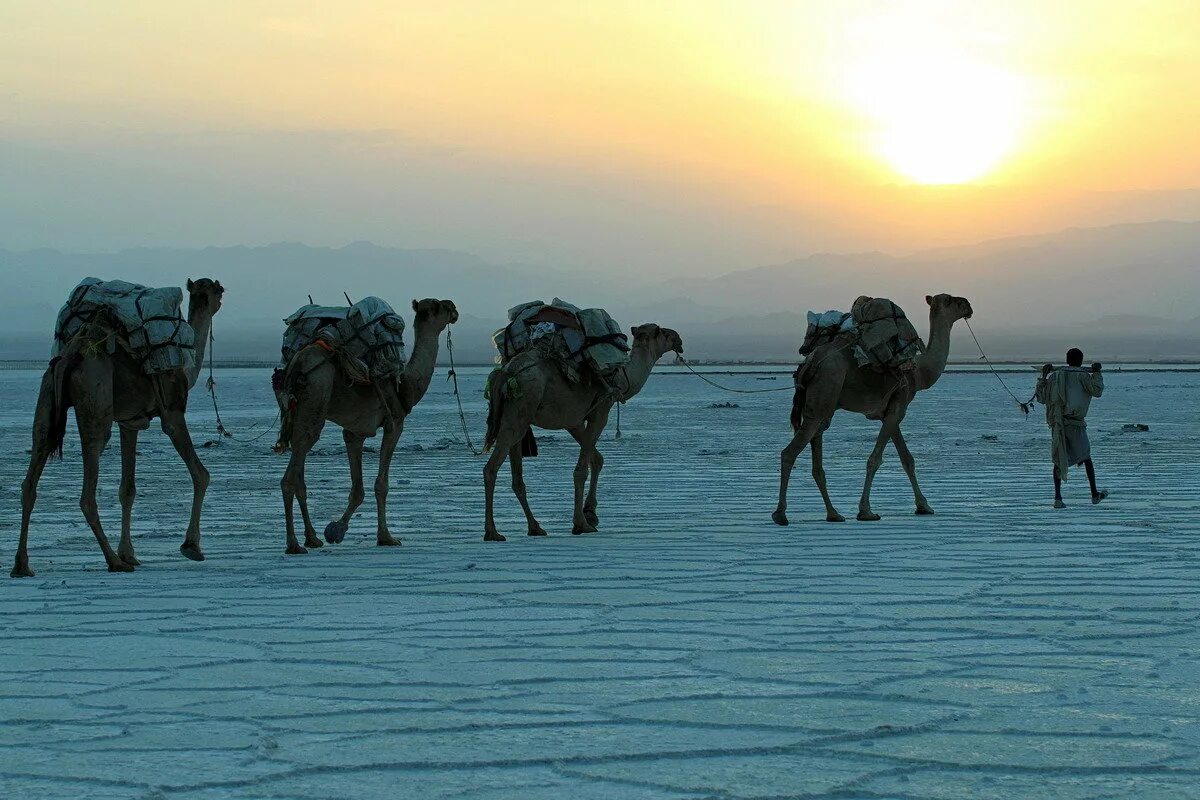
x=929, y=299
x=190, y=285
x=414, y=304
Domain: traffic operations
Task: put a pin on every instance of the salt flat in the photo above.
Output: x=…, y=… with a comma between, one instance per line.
x=690, y=649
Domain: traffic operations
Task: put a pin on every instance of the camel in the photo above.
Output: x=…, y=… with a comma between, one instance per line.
x=531, y=390
x=321, y=390
x=105, y=388
x=830, y=379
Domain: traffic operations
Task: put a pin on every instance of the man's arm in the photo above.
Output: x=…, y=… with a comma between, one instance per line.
x=1093, y=382
x=1042, y=392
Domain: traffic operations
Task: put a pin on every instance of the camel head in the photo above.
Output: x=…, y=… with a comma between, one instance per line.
x=205, y=294
x=657, y=340
x=438, y=313
x=954, y=308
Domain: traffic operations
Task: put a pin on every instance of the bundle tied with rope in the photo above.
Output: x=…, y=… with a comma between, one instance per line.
x=147, y=323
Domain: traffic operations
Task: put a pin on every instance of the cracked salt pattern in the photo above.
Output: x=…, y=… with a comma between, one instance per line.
x=691, y=649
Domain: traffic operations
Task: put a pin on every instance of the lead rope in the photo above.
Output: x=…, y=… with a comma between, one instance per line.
x=679, y=359
x=212, y=386
x=1025, y=407
x=453, y=378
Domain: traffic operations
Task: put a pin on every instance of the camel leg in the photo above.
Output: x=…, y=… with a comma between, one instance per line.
x=310, y=533
x=175, y=427
x=787, y=459
x=391, y=435
x=490, y=470
x=507, y=437
x=597, y=464
x=590, y=504
x=910, y=468
x=587, y=452
x=336, y=530
x=891, y=424
x=92, y=437
x=817, y=450
x=516, y=464
x=293, y=485
x=128, y=492
x=579, y=522
x=39, y=454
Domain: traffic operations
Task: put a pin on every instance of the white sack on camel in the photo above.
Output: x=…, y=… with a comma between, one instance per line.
x=150, y=321
x=588, y=335
x=368, y=332
x=882, y=334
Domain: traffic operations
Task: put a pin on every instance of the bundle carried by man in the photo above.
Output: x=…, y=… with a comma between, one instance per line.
x=147, y=323
x=876, y=329
x=368, y=336
x=575, y=337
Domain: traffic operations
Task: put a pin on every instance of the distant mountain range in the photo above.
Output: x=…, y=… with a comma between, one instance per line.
x=1119, y=292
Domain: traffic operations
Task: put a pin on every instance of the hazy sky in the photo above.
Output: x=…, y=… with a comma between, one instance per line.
x=693, y=136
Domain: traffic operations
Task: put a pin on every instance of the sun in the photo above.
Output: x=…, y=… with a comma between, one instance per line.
x=929, y=83
x=939, y=119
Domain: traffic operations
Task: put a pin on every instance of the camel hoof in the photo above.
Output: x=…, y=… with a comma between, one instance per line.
x=592, y=517
x=130, y=559
x=313, y=543
x=335, y=532
x=1059, y=504
x=779, y=518
x=21, y=571
x=868, y=516
x=120, y=566
x=192, y=553
x=387, y=542
x=924, y=511
x=537, y=532
x=492, y=536
x=578, y=529
x=295, y=550
x=835, y=518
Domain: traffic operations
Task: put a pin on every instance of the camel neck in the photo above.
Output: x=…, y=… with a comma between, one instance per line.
x=418, y=373
x=932, y=362
x=641, y=363
x=200, y=318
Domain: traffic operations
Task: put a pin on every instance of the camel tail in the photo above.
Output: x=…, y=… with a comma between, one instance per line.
x=495, y=384
x=529, y=448
x=55, y=385
x=798, y=400
x=279, y=385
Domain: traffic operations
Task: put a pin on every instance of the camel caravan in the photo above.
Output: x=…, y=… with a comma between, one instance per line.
x=126, y=354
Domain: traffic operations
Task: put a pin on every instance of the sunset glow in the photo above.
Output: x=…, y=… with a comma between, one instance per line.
x=939, y=120
x=701, y=131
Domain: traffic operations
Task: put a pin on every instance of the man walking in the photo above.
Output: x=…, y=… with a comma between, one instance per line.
x=1067, y=393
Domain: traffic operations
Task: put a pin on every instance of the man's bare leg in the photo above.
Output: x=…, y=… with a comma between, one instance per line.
x=1058, y=501
x=1097, y=494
